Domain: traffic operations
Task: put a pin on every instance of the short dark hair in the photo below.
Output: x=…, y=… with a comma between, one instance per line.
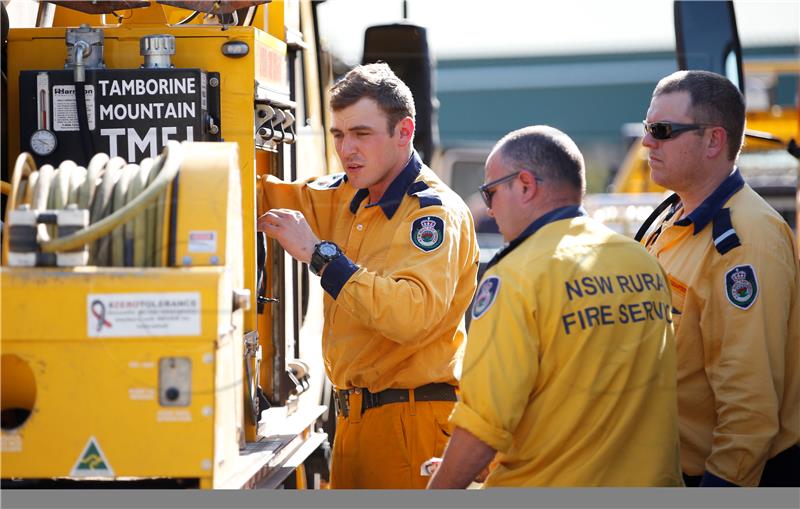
x=547, y=152
x=714, y=100
x=377, y=82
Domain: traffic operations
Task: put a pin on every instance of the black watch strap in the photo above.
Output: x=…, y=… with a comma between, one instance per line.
x=323, y=253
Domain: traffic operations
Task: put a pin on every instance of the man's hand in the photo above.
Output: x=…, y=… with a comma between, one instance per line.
x=465, y=457
x=291, y=230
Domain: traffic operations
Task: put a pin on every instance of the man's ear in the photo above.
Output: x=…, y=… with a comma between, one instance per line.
x=717, y=143
x=405, y=127
x=530, y=186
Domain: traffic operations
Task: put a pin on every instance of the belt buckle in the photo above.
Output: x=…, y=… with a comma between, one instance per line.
x=342, y=400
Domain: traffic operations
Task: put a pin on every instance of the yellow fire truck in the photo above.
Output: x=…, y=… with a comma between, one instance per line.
x=150, y=337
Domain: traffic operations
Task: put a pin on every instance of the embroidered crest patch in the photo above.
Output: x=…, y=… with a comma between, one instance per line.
x=485, y=296
x=325, y=182
x=741, y=286
x=427, y=233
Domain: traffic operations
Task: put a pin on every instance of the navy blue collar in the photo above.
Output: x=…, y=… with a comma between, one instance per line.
x=391, y=199
x=702, y=215
x=558, y=214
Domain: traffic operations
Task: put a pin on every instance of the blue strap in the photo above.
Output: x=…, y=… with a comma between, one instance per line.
x=427, y=196
x=723, y=233
x=337, y=273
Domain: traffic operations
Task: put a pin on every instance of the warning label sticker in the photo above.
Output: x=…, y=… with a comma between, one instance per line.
x=92, y=462
x=115, y=315
x=202, y=242
x=65, y=110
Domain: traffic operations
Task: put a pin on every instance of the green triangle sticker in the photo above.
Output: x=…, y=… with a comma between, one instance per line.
x=92, y=462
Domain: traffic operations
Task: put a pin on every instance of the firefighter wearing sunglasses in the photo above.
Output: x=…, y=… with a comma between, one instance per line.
x=733, y=270
x=569, y=370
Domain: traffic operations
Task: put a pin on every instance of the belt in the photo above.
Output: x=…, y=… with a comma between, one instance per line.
x=430, y=392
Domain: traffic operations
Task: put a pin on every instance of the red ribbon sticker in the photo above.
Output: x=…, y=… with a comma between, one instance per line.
x=99, y=311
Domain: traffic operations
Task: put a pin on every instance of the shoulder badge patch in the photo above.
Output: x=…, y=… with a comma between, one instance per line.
x=485, y=296
x=326, y=182
x=741, y=286
x=427, y=233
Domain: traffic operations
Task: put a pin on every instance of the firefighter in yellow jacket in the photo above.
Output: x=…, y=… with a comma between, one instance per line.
x=397, y=255
x=569, y=370
x=733, y=271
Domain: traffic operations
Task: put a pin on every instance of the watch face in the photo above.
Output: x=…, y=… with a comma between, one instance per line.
x=327, y=249
x=43, y=142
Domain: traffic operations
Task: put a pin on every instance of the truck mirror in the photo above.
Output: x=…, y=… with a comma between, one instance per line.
x=706, y=39
x=404, y=47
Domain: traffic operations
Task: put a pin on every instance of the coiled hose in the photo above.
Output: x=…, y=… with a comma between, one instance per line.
x=127, y=204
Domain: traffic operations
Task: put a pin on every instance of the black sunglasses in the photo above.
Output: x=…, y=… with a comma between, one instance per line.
x=668, y=130
x=486, y=189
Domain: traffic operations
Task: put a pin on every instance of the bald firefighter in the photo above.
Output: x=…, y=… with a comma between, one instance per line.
x=569, y=370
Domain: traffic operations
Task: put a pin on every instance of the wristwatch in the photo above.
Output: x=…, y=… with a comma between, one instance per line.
x=324, y=252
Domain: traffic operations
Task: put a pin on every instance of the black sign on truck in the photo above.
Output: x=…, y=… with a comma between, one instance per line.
x=131, y=113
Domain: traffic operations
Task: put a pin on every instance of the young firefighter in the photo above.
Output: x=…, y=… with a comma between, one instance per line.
x=398, y=256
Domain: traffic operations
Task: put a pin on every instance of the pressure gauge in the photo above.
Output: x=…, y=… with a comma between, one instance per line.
x=43, y=142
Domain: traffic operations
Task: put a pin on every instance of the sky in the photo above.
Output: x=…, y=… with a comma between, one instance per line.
x=468, y=28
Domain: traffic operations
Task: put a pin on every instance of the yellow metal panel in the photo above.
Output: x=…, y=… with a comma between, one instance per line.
x=283, y=14
x=110, y=392
x=50, y=304
x=107, y=388
x=208, y=204
x=276, y=19
x=228, y=408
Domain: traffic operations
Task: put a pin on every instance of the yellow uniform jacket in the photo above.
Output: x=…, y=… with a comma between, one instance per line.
x=395, y=302
x=569, y=369
x=733, y=270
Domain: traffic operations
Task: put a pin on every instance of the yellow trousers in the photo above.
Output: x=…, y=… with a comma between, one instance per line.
x=385, y=447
